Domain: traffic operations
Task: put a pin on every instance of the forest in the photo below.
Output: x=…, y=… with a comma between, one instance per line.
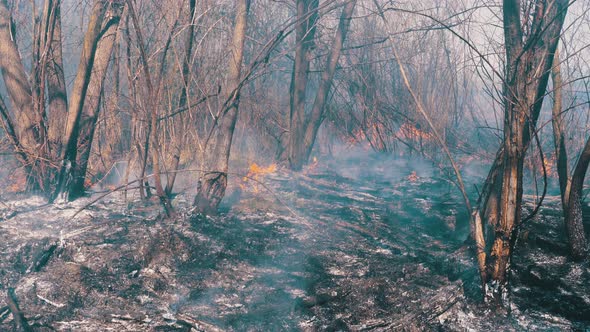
x=305, y=165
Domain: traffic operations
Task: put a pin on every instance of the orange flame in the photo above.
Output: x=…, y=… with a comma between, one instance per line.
x=409, y=131
x=255, y=173
x=370, y=137
x=550, y=166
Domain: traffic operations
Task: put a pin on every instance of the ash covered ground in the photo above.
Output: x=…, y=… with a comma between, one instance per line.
x=347, y=245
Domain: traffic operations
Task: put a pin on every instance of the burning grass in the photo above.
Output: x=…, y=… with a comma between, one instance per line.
x=256, y=173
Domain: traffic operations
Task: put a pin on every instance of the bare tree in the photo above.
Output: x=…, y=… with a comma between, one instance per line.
x=570, y=188
x=303, y=129
x=213, y=181
x=91, y=109
x=528, y=66
x=70, y=171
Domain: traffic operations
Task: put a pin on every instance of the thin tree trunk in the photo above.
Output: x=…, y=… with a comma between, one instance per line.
x=315, y=120
x=213, y=181
x=307, y=15
x=570, y=189
x=559, y=133
x=152, y=100
x=182, y=103
x=135, y=139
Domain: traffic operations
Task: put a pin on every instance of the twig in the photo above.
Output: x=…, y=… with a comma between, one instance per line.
x=57, y=305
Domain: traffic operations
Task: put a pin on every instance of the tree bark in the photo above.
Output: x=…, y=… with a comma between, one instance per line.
x=558, y=132
x=182, y=102
x=213, y=180
x=152, y=100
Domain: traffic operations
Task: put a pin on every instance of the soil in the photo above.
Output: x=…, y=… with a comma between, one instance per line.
x=347, y=245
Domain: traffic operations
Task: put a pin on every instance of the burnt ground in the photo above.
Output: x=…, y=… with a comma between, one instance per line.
x=353, y=245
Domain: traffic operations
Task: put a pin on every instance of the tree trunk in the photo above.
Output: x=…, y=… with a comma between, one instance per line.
x=152, y=101
x=132, y=88
x=307, y=16
x=182, y=102
x=570, y=189
x=528, y=68
x=26, y=122
x=319, y=105
x=559, y=133
x=69, y=169
x=573, y=214
x=57, y=108
x=91, y=108
x=304, y=129
x=213, y=181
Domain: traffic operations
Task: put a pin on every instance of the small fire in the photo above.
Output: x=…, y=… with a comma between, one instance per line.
x=255, y=174
x=371, y=137
x=550, y=163
x=550, y=166
x=409, y=131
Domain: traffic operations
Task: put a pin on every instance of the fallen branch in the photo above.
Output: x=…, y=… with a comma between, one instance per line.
x=55, y=304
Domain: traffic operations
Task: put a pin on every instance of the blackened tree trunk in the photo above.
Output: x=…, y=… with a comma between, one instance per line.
x=213, y=180
x=558, y=132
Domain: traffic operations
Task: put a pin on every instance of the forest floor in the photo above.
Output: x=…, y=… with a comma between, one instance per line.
x=356, y=244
